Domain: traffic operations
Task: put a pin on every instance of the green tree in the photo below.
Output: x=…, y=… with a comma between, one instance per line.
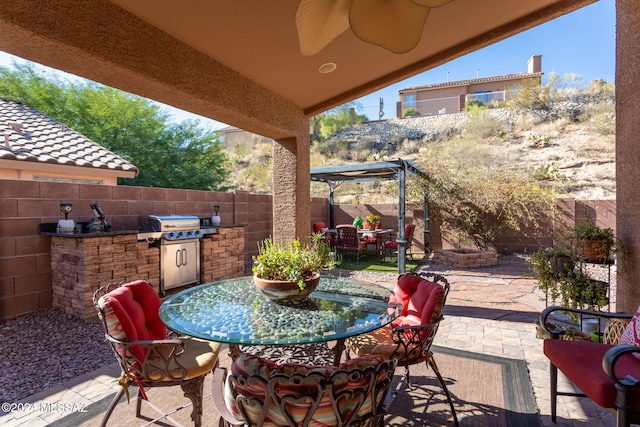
x=170, y=155
x=328, y=123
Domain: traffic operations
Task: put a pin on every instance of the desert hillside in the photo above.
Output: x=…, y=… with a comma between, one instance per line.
x=575, y=151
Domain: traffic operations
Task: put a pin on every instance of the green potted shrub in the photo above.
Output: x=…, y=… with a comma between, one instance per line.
x=593, y=242
x=562, y=280
x=288, y=271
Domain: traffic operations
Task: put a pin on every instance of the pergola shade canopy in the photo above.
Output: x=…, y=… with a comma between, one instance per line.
x=360, y=172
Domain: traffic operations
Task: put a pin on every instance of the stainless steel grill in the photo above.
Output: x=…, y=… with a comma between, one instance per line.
x=179, y=237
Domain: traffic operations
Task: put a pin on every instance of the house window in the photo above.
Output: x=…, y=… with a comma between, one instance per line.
x=409, y=101
x=484, y=96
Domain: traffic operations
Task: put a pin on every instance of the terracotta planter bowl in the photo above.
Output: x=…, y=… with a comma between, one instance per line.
x=286, y=291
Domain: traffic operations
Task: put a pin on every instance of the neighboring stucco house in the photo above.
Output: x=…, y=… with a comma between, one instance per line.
x=35, y=147
x=450, y=97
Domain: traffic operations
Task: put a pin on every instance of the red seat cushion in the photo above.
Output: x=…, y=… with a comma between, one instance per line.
x=422, y=299
x=135, y=306
x=581, y=362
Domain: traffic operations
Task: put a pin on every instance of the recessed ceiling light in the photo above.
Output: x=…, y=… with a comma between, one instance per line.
x=327, y=68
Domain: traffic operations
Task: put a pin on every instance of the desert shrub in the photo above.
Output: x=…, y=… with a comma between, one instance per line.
x=476, y=195
x=601, y=117
x=473, y=105
x=481, y=124
x=333, y=148
x=539, y=141
x=557, y=98
x=548, y=172
x=410, y=112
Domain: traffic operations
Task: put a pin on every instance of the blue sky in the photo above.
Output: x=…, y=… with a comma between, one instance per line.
x=582, y=42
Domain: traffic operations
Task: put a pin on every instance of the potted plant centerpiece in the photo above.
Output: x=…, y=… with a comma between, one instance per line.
x=290, y=271
x=373, y=221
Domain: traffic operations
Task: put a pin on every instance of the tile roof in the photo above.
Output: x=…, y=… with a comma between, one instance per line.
x=27, y=134
x=473, y=81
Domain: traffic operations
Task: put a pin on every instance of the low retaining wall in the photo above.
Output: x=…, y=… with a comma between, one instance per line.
x=465, y=258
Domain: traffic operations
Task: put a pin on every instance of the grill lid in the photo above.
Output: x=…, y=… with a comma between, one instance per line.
x=160, y=223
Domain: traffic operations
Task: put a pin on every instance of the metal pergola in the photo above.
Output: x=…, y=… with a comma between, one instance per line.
x=360, y=172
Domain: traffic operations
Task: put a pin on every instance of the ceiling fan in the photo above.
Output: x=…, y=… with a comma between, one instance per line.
x=395, y=25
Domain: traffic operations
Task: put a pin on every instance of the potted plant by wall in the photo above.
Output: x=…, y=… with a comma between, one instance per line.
x=593, y=243
x=564, y=281
x=290, y=271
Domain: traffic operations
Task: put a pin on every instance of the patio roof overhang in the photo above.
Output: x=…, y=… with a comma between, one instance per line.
x=387, y=170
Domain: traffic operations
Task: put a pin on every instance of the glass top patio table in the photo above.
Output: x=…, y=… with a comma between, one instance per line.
x=235, y=312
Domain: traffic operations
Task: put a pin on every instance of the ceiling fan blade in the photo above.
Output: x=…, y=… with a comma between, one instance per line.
x=394, y=25
x=319, y=22
x=432, y=3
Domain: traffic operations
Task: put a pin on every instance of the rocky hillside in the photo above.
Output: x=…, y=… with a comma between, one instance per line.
x=578, y=154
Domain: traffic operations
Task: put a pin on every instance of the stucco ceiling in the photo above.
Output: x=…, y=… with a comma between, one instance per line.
x=232, y=60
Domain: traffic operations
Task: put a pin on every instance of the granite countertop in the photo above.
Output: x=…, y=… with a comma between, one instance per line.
x=49, y=229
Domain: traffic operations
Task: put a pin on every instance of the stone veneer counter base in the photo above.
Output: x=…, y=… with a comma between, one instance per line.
x=82, y=263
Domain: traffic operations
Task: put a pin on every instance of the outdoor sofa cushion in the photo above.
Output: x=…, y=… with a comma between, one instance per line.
x=575, y=358
x=631, y=335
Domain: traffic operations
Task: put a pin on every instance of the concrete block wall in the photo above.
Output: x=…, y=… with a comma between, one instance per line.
x=25, y=255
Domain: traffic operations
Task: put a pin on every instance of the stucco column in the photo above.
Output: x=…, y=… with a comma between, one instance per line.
x=291, y=187
x=628, y=152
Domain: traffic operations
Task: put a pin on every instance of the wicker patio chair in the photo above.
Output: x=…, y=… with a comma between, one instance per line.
x=148, y=357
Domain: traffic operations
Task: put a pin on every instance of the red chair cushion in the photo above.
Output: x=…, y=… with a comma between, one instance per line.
x=423, y=301
x=319, y=226
x=405, y=287
x=391, y=244
x=581, y=362
x=135, y=306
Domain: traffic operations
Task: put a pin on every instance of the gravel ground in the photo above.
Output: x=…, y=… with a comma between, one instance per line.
x=46, y=348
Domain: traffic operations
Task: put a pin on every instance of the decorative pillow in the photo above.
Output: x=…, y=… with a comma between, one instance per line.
x=631, y=335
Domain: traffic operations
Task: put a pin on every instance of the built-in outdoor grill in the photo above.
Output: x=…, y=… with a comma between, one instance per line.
x=179, y=237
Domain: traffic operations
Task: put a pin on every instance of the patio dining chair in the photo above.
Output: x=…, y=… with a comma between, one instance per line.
x=391, y=246
x=349, y=241
x=321, y=227
x=147, y=355
x=259, y=392
x=408, y=338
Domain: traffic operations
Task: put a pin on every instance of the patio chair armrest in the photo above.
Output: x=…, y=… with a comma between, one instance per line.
x=412, y=342
x=610, y=359
x=555, y=333
x=217, y=394
x=430, y=325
